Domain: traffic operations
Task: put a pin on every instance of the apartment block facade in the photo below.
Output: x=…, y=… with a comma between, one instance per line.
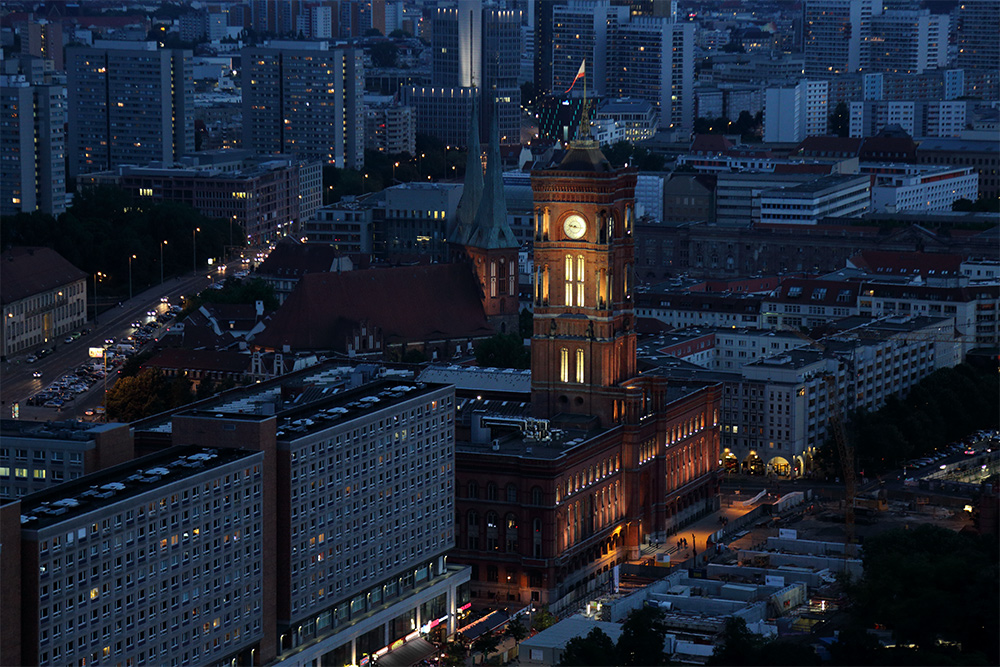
x=128, y=103
x=40, y=455
x=32, y=146
x=304, y=97
x=156, y=560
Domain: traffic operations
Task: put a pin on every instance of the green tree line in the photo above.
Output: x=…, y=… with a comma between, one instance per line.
x=945, y=406
x=106, y=226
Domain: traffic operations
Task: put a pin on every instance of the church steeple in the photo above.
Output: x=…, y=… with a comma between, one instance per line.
x=472, y=192
x=490, y=229
x=491, y=246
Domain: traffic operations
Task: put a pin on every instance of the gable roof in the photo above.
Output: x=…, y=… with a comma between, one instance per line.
x=907, y=263
x=829, y=147
x=200, y=360
x=409, y=304
x=290, y=258
x=25, y=271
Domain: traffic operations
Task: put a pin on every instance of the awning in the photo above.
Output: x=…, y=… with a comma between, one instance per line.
x=410, y=653
x=487, y=623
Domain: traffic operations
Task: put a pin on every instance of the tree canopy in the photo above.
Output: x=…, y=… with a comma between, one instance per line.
x=106, y=226
x=945, y=406
x=503, y=351
x=930, y=584
x=595, y=650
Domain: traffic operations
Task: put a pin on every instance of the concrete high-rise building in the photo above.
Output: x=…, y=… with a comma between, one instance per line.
x=154, y=560
x=473, y=46
x=44, y=39
x=837, y=34
x=978, y=27
x=129, y=103
x=793, y=113
x=652, y=58
x=543, y=25
x=304, y=97
x=908, y=41
x=32, y=146
x=582, y=31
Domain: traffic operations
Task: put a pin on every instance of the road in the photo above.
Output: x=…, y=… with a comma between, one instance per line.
x=17, y=383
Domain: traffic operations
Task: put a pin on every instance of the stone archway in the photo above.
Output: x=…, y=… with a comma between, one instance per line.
x=780, y=466
x=753, y=464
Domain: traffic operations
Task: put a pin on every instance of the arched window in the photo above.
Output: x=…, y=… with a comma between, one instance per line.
x=473, y=490
x=579, y=366
x=536, y=495
x=511, y=493
x=493, y=278
x=568, y=296
x=491, y=491
x=492, y=532
x=564, y=365
x=579, y=281
x=473, y=518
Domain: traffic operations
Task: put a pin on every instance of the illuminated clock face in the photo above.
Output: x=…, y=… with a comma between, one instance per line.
x=575, y=226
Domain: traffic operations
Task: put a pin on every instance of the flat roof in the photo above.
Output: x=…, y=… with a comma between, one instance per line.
x=55, y=430
x=558, y=635
x=319, y=408
x=477, y=378
x=85, y=494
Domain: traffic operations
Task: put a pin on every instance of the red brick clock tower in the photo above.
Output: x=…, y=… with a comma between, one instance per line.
x=583, y=346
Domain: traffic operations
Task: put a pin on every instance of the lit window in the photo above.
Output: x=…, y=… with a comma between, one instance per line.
x=564, y=365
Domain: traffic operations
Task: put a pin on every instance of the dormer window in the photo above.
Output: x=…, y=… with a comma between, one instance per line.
x=794, y=291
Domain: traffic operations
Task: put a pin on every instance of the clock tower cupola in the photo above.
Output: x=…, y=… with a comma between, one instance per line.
x=583, y=345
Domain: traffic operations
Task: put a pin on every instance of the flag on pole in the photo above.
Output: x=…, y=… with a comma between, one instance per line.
x=579, y=75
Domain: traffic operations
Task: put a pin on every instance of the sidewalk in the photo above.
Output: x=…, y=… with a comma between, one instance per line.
x=697, y=535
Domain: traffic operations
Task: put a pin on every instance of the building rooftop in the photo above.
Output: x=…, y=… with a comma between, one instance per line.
x=85, y=494
x=25, y=271
x=54, y=430
x=474, y=378
x=817, y=186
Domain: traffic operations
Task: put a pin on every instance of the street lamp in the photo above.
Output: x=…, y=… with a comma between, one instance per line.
x=97, y=276
x=131, y=257
x=162, y=243
x=394, y=165
x=364, y=184
x=194, y=249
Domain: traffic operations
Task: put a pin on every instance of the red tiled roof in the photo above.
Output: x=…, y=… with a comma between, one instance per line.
x=173, y=358
x=710, y=143
x=883, y=148
x=296, y=259
x=409, y=304
x=907, y=263
x=26, y=271
x=826, y=292
x=829, y=147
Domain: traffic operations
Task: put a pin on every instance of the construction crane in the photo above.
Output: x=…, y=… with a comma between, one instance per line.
x=845, y=451
x=835, y=428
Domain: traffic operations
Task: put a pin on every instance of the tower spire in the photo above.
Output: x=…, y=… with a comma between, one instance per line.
x=472, y=192
x=490, y=229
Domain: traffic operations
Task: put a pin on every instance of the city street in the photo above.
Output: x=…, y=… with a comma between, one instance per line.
x=16, y=375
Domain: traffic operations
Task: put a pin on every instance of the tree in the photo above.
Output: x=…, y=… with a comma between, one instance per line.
x=516, y=630
x=840, y=120
x=525, y=324
x=595, y=650
x=528, y=94
x=455, y=652
x=384, y=54
x=736, y=645
x=399, y=33
x=641, y=641
x=486, y=644
x=931, y=583
x=543, y=619
x=503, y=351
x=133, y=398
x=618, y=153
